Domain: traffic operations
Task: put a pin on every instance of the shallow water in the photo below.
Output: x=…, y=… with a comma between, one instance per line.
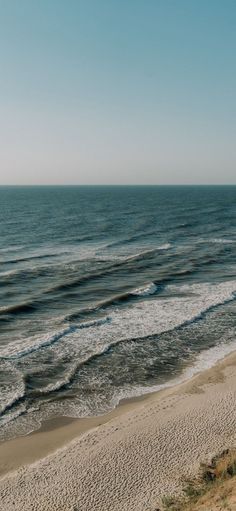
x=110, y=292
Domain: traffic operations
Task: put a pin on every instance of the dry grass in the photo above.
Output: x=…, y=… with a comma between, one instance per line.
x=214, y=490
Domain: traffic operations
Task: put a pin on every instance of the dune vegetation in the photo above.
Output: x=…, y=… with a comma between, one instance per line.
x=213, y=490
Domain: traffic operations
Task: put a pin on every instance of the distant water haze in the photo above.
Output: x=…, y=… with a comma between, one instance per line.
x=108, y=293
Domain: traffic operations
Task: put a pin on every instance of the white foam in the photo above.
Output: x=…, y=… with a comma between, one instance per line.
x=11, y=248
x=24, y=347
x=149, y=289
x=8, y=273
x=124, y=253
x=223, y=241
x=54, y=386
x=12, y=388
x=166, y=246
x=84, y=340
x=205, y=360
x=145, y=318
x=82, y=408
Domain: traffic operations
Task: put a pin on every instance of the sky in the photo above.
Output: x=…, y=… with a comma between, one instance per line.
x=117, y=92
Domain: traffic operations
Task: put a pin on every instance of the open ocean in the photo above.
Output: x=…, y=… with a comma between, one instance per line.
x=108, y=293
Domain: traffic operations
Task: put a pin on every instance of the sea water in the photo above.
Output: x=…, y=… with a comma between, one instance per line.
x=108, y=293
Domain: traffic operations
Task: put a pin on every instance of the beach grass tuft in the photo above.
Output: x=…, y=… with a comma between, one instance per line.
x=215, y=485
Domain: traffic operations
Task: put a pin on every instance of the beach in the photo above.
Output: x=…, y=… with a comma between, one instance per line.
x=140, y=453
x=118, y=256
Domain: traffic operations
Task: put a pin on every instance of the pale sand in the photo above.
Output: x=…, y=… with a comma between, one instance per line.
x=141, y=451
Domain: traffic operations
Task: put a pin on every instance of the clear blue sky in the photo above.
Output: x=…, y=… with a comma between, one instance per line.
x=117, y=91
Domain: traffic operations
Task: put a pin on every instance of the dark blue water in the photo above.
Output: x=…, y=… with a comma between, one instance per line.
x=110, y=292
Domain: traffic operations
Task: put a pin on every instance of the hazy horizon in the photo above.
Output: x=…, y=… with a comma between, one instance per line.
x=128, y=93
x=44, y=185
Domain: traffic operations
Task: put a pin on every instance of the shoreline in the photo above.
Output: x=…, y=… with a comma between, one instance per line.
x=57, y=432
x=54, y=434
x=145, y=446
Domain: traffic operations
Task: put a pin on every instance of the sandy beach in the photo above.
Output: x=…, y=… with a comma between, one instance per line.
x=128, y=459
x=117, y=255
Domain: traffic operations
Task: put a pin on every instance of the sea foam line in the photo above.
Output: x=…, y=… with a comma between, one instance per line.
x=139, y=320
x=12, y=352
x=204, y=361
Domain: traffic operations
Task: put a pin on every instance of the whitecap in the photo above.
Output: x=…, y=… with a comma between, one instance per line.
x=149, y=289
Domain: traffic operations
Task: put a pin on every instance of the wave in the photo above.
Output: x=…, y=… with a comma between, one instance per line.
x=8, y=273
x=145, y=290
x=140, y=320
x=166, y=276
x=205, y=360
x=220, y=241
x=122, y=258
x=149, y=289
x=33, y=271
x=125, y=241
x=39, y=253
x=146, y=252
x=30, y=258
x=120, y=262
x=12, y=393
x=184, y=225
x=16, y=398
x=11, y=248
x=59, y=384
x=77, y=253
x=22, y=348
x=84, y=342
x=11, y=415
x=18, y=308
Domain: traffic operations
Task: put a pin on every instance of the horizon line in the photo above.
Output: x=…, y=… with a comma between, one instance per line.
x=112, y=184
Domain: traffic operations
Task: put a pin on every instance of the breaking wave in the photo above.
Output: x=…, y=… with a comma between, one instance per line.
x=135, y=321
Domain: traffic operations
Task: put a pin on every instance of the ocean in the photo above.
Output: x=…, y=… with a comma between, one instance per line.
x=108, y=293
